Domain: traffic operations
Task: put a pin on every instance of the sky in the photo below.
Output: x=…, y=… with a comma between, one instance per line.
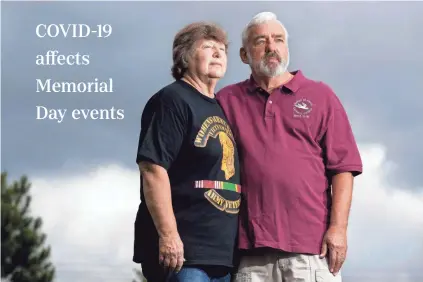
x=85, y=180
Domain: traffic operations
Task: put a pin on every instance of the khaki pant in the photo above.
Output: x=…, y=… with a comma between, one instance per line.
x=284, y=267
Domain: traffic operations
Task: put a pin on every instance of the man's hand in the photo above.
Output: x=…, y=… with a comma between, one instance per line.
x=335, y=246
x=171, y=252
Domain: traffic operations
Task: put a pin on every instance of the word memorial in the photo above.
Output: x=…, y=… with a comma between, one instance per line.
x=73, y=60
x=48, y=85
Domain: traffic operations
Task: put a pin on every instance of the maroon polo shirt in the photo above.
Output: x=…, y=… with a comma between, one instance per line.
x=290, y=143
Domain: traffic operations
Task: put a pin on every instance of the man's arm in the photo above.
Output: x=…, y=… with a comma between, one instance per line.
x=336, y=237
x=157, y=196
x=343, y=162
x=342, y=188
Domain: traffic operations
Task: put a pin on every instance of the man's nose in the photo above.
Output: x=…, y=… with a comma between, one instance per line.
x=270, y=46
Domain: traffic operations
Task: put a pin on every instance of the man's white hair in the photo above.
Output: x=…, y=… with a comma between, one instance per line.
x=261, y=18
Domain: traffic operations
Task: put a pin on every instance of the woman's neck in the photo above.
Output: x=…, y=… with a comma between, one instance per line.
x=205, y=86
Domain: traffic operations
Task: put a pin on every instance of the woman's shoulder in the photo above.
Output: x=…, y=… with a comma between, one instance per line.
x=169, y=97
x=172, y=93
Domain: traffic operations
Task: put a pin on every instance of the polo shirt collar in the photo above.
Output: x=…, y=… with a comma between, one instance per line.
x=293, y=85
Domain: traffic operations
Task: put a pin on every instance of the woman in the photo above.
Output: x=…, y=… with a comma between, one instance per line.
x=190, y=194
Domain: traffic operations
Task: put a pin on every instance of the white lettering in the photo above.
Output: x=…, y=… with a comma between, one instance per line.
x=72, y=87
x=98, y=114
x=51, y=114
x=64, y=30
x=52, y=58
x=55, y=30
x=37, y=30
x=67, y=30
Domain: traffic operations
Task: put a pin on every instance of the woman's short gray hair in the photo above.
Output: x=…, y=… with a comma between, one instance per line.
x=185, y=40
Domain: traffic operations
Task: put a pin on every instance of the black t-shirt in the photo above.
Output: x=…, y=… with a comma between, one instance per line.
x=187, y=133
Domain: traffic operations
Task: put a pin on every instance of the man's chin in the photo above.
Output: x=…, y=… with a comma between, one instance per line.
x=272, y=72
x=273, y=62
x=273, y=65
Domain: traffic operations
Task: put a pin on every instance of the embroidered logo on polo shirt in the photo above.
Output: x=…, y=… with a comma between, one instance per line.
x=302, y=108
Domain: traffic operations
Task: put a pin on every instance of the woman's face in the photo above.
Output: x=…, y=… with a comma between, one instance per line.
x=209, y=59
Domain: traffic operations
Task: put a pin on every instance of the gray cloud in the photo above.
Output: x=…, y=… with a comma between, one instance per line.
x=366, y=51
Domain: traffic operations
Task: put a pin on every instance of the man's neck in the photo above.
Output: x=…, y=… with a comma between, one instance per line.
x=271, y=83
x=205, y=86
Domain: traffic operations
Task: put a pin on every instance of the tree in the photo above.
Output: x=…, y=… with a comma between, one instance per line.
x=24, y=258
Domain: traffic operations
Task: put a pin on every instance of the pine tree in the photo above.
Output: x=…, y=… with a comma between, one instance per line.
x=24, y=258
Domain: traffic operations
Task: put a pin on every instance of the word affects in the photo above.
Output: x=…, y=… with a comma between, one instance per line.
x=53, y=58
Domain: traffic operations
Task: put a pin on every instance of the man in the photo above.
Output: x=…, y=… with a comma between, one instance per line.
x=298, y=159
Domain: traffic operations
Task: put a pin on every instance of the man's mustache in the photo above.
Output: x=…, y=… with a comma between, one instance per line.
x=272, y=55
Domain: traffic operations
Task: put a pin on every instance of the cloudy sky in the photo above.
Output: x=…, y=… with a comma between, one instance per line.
x=85, y=180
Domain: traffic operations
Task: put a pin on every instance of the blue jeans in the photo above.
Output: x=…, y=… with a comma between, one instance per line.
x=194, y=274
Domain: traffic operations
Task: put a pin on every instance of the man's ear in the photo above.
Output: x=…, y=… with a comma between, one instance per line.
x=243, y=55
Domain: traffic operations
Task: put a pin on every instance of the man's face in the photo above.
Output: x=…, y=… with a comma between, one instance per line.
x=266, y=50
x=209, y=59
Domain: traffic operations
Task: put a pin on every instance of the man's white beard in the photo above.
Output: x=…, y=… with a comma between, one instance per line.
x=267, y=71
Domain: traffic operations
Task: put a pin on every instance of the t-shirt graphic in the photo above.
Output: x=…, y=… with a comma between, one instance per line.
x=216, y=127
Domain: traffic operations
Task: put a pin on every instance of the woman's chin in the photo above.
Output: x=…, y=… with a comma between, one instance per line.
x=216, y=74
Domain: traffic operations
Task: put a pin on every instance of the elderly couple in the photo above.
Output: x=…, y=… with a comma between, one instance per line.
x=251, y=184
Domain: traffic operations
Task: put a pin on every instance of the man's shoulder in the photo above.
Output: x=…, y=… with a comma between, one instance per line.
x=316, y=84
x=318, y=87
x=231, y=89
x=323, y=91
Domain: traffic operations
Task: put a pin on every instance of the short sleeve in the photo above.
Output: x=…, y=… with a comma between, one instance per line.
x=340, y=148
x=162, y=133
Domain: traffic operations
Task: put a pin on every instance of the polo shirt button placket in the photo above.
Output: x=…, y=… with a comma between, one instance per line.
x=269, y=112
